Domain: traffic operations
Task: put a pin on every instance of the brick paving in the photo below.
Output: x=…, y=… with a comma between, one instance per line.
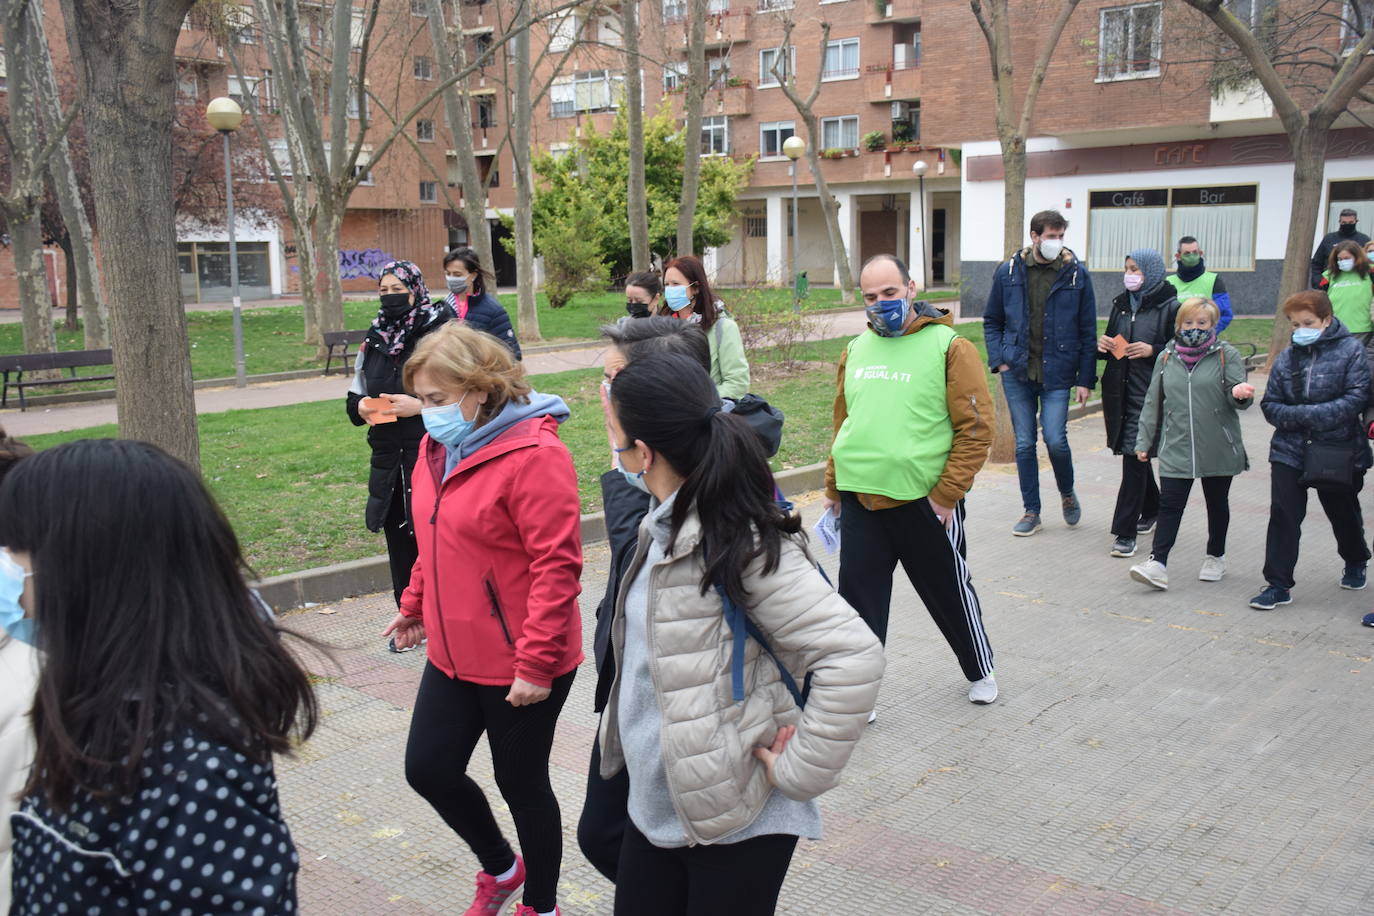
x=1152, y=752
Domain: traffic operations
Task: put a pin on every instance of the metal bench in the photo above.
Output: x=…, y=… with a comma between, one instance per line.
x=338, y=343
x=18, y=364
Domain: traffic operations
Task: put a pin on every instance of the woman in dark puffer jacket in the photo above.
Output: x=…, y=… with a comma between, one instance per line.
x=1318, y=388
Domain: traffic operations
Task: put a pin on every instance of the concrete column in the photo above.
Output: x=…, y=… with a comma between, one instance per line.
x=776, y=214
x=917, y=245
x=710, y=259
x=848, y=221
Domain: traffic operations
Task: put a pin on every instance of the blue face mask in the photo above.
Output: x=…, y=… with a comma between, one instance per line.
x=12, y=618
x=1303, y=337
x=446, y=424
x=633, y=478
x=677, y=298
x=888, y=316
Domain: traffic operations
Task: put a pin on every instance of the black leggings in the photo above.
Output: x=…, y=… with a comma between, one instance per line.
x=401, y=549
x=1173, y=498
x=720, y=880
x=450, y=716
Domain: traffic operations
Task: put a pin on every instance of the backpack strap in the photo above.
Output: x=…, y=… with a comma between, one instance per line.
x=742, y=628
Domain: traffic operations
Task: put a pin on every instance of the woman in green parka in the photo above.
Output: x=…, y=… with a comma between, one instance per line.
x=1191, y=421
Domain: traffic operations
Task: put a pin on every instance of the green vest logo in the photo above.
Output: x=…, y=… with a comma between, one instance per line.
x=871, y=373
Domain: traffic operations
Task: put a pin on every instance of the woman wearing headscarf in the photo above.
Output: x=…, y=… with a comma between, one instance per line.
x=377, y=398
x=1143, y=316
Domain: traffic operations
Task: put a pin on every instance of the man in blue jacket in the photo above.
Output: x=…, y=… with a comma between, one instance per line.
x=1040, y=327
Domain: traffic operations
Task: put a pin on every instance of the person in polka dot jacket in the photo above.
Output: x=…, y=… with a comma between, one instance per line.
x=162, y=694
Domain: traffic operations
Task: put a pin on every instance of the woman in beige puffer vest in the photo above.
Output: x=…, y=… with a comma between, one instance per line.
x=720, y=790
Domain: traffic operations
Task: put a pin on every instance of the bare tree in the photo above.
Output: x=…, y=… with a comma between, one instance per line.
x=79, y=241
x=1013, y=124
x=783, y=72
x=693, y=99
x=124, y=55
x=521, y=114
x=637, y=204
x=1311, y=81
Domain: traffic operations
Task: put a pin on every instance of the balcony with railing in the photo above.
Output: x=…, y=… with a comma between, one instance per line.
x=732, y=96
x=893, y=11
x=897, y=80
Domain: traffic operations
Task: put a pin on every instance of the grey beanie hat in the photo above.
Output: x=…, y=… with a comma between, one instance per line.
x=1151, y=264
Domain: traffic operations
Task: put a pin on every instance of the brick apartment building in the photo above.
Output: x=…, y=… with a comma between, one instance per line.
x=1133, y=148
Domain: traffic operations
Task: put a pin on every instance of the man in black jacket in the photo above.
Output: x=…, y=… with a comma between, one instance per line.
x=1345, y=232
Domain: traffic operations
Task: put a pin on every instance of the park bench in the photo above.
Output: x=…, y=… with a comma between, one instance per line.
x=340, y=341
x=18, y=364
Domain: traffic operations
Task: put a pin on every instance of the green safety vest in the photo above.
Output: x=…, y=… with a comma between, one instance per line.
x=898, y=434
x=1351, y=295
x=1201, y=285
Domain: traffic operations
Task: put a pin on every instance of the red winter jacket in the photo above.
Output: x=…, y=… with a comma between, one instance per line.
x=500, y=540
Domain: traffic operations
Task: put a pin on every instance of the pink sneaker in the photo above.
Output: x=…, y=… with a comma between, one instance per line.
x=492, y=894
x=523, y=910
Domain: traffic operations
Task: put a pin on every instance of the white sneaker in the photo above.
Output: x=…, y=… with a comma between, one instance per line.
x=1213, y=568
x=1151, y=572
x=983, y=692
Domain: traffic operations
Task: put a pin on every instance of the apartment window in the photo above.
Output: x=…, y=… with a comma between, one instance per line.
x=353, y=109
x=767, y=57
x=674, y=11
x=1129, y=41
x=424, y=68
x=419, y=8
x=188, y=84
x=674, y=77
x=357, y=31
x=906, y=47
x=906, y=120
x=584, y=92
x=267, y=97
x=756, y=227
x=1222, y=218
x=717, y=7
x=481, y=47
x=486, y=112
x=717, y=71
x=1357, y=18
x=424, y=130
x=1342, y=195
x=841, y=59
x=429, y=192
x=772, y=135
x=241, y=88
x=715, y=136
x=563, y=32
x=283, y=157
x=608, y=31
x=1254, y=13
x=840, y=133
x=4, y=72
x=770, y=5
x=362, y=170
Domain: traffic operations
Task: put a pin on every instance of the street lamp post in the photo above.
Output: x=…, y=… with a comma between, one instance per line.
x=793, y=148
x=225, y=115
x=919, y=169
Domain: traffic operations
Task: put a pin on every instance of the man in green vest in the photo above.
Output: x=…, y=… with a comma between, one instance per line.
x=913, y=425
x=1194, y=279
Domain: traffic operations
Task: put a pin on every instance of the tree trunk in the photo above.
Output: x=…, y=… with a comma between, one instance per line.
x=830, y=209
x=35, y=302
x=124, y=56
x=1013, y=192
x=73, y=319
x=458, y=109
x=692, y=102
x=636, y=195
x=524, y=191
x=329, y=294
x=309, y=280
x=1309, y=157
x=83, y=276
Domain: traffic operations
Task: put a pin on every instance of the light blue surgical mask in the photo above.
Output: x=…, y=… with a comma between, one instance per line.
x=1303, y=337
x=12, y=618
x=888, y=316
x=633, y=478
x=446, y=424
x=677, y=298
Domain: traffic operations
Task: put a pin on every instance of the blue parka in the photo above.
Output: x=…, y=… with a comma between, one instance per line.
x=1069, y=354
x=1318, y=392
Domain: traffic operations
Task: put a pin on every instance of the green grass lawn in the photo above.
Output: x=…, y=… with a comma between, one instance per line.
x=293, y=479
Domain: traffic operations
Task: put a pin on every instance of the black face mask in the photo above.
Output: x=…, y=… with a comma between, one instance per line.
x=636, y=309
x=1347, y=229
x=395, y=305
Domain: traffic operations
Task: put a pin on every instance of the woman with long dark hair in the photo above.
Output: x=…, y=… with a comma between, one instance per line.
x=495, y=590
x=473, y=300
x=162, y=696
x=378, y=398
x=687, y=294
x=723, y=765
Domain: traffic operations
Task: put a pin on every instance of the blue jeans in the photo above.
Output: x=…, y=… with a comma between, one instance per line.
x=1026, y=400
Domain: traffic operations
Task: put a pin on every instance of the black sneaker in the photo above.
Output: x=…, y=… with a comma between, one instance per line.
x=1354, y=578
x=1270, y=598
x=1123, y=547
x=1145, y=526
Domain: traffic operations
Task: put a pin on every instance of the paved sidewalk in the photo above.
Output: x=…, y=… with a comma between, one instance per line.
x=1152, y=752
x=60, y=418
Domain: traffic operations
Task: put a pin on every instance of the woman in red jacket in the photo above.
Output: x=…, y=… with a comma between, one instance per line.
x=495, y=500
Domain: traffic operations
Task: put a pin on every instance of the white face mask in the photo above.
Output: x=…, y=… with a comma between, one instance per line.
x=1345, y=264
x=1050, y=248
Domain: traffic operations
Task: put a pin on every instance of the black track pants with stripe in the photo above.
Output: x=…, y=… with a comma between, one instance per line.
x=935, y=560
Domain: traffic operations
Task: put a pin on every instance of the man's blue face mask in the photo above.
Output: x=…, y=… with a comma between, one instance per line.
x=888, y=316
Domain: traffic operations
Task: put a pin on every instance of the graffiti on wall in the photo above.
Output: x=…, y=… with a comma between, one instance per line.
x=357, y=263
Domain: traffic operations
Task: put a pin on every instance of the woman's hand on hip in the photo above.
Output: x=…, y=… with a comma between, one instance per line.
x=769, y=755
x=523, y=693
x=407, y=632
